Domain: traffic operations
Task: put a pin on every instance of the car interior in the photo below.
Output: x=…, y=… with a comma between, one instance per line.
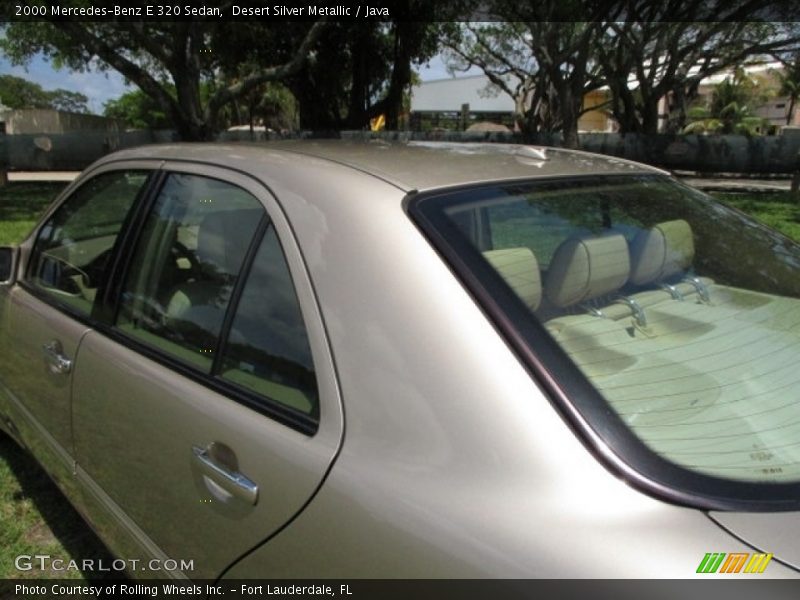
x=691, y=356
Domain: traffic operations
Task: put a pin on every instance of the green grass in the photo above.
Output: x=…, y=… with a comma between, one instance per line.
x=35, y=518
x=778, y=210
x=21, y=205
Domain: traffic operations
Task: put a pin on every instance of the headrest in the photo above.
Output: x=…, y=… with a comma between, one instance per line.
x=223, y=238
x=586, y=268
x=660, y=252
x=520, y=269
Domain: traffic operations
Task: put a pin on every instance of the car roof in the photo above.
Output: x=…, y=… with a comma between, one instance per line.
x=407, y=165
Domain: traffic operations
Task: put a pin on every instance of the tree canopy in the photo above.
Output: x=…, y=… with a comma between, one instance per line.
x=168, y=61
x=340, y=74
x=16, y=92
x=640, y=51
x=138, y=110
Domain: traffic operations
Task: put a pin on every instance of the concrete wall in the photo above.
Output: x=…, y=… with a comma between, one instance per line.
x=45, y=120
x=715, y=154
x=69, y=151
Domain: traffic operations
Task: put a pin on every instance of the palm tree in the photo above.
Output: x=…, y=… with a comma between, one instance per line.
x=729, y=110
x=789, y=78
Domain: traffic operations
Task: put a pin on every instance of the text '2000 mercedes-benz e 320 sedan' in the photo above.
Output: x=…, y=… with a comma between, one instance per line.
x=341, y=359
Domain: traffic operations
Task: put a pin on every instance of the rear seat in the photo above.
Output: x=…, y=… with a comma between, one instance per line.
x=661, y=256
x=588, y=273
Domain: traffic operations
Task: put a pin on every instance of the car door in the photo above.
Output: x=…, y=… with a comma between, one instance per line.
x=206, y=413
x=48, y=312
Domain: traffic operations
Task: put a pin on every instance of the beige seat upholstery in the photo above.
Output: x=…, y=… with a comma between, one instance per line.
x=661, y=252
x=520, y=269
x=221, y=247
x=586, y=268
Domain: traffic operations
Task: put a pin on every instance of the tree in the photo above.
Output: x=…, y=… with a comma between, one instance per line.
x=540, y=56
x=271, y=105
x=730, y=109
x=666, y=48
x=138, y=110
x=16, y=92
x=168, y=61
x=68, y=101
x=789, y=79
x=361, y=68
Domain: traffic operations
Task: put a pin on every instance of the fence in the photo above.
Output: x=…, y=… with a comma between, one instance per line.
x=717, y=154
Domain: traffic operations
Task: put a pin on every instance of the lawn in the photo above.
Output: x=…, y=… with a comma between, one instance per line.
x=21, y=205
x=36, y=519
x=778, y=210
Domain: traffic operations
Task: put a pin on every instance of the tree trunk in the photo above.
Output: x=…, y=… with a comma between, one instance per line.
x=625, y=111
x=357, y=105
x=650, y=116
x=189, y=120
x=571, y=139
x=569, y=112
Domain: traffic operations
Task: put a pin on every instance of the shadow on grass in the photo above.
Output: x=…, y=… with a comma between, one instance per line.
x=67, y=526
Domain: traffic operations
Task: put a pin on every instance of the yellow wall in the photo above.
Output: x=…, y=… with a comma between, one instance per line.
x=594, y=120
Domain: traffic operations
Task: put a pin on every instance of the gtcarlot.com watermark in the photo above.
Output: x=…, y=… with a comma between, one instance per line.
x=44, y=562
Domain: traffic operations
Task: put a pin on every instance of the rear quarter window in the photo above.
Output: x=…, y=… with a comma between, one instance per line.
x=671, y=323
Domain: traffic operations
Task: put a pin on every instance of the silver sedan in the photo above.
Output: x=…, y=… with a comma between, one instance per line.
x=336, y=359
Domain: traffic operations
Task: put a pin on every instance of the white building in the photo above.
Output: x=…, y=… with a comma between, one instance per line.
x=449, y=94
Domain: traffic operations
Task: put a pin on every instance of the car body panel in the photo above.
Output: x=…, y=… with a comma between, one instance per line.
x=415, y=166
x=770, y=532
x=32, y=384
x=149, y=432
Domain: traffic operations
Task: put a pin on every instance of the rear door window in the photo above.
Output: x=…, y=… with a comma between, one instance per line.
x=185, y=266
x=267, y=351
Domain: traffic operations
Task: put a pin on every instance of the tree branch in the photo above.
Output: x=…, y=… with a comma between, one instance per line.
x=253, y=80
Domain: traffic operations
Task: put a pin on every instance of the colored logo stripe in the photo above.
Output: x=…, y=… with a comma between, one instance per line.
x=713, y=562
x=734, y=562
x=758, y=563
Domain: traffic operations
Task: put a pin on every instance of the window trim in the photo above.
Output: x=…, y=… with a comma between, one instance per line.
x=26, y=283
x=570, y=392
x=103, y=314
x=264, y=405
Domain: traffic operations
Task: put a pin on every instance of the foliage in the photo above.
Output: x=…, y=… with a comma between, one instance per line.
x=16, y=92
x=540, y=56
x=789, y=79
x=343, y=73
x=169, y=61
x=665, y=49
x=360, y=69
x=340, y=73
x=138, y=110
x=730, y=109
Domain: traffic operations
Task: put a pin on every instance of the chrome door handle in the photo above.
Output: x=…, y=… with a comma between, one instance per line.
x=232, y=482
x=55, y=359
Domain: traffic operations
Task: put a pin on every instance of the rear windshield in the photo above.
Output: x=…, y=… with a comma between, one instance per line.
x=670, y=323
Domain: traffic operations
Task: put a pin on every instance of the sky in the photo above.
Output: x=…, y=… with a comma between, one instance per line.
x=97, y=86
x=100, y=87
